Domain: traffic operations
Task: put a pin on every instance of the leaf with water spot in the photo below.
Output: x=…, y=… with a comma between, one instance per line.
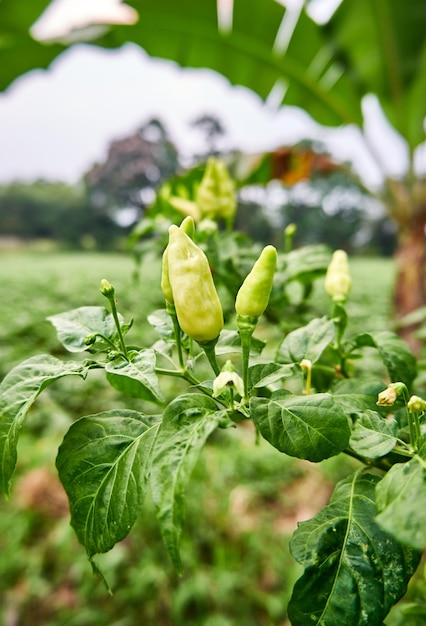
x=401, y=501
x=394, y=352
x=354, y=570
x=373, y=436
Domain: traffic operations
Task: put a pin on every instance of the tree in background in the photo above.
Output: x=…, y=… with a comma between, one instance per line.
x=56, y=211
x=212, y=129
x=134, y=167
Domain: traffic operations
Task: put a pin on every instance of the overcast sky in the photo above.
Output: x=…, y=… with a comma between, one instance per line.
x=55, y=124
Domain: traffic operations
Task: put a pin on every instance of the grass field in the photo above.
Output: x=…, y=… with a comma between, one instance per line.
x=244, y=499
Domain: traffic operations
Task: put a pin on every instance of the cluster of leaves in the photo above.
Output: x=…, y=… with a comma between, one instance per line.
x=358, y=553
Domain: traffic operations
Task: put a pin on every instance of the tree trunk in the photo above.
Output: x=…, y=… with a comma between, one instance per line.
x=410, y=287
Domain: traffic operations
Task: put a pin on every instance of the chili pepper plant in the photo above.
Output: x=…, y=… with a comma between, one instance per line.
x=307, y=397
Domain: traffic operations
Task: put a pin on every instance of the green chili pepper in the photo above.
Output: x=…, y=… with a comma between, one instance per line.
x=188, y=227
x=166, y=287
x=180, y=203
x=253, y=295
x=338, y=281
x=197, y=304
x=216, y=193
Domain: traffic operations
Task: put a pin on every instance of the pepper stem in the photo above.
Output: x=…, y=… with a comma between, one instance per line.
x=117, y=325
x=177, y=332
x=413, y=418
x=246, y=327
x=246, y=336
x=209, y=349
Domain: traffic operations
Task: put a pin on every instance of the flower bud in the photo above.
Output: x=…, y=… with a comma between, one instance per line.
x=290, y=230
x=106, y=288
x=387, y=397
x=391, y=393
x=338, y=281
x=417, y=404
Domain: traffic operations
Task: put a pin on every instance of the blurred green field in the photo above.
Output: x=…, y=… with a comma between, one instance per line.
x=244, y=499
x=38, y=284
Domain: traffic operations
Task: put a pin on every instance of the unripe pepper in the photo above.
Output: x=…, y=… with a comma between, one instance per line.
x=188, y=227
x=166, y=287
x=338, y=281
x=216, y=193
x=253, y=295
x=197, y=304
x=181, y=204
x=251, y=301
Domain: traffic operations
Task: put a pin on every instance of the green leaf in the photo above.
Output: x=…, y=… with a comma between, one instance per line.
x=188, y=33
x=394, y=352
x=75, y=326
x=354, y=571
x=401, y=501
x=19, y=52
x=187, y=422
x=18, y=390
x=264, y=374
x=162, y=322
x=369, y=46
x=355, y=394
x=306, y=263
x=373, y=436
x=382, y=45
x=135, y=378
x=308, y=427
x=103, y=464
x=307, y=342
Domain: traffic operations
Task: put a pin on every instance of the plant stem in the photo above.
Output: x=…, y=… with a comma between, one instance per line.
x=370, y=463
x=246, y=336
x=209, y=349
x=415, y=429
x=111, y=299
x=106, y=339
x=177, y=374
